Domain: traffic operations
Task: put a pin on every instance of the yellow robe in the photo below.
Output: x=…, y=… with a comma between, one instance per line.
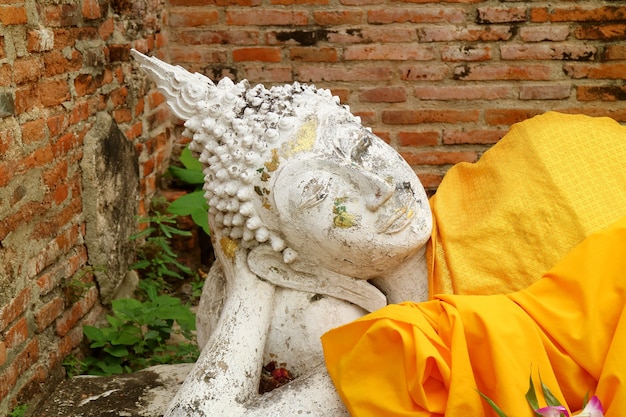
x=500, y=224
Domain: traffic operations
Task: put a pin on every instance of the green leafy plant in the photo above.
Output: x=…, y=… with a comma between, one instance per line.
x=192, y=204
x=197, y=284
x=75, y=288
x=156, y=260
x=18, y=411
x=139, y=331
x=137, y=335
x=73, y=366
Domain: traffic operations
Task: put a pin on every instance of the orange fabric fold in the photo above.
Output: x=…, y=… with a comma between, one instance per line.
x=430, y=359
x=546, y=185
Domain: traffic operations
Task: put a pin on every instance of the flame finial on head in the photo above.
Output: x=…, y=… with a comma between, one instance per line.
x=182, y=89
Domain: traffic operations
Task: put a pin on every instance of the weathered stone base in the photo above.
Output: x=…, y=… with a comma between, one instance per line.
x=146, y=393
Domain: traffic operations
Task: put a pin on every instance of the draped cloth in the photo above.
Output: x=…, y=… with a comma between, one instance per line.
x=547, y=184
x=428, y=359
x=497, y=317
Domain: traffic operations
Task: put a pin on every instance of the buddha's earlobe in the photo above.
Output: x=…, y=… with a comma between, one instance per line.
x=303, y=276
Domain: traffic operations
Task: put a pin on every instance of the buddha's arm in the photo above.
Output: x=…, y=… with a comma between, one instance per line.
x=226, y=376
x=311, y=395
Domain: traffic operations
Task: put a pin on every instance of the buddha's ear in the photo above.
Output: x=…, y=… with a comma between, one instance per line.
x=268, y=265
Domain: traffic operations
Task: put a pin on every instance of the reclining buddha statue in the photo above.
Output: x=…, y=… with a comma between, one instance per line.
x=378, y=301
x=306, y=205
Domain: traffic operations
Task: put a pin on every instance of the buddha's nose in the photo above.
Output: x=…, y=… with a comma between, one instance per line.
x=378, y=191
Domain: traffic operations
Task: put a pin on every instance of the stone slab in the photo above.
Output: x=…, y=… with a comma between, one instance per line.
x=145, y=393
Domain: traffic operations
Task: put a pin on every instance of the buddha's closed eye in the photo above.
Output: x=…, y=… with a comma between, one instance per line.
x=314, y=192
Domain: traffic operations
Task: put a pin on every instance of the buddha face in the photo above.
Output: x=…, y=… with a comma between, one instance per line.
x=351, y=203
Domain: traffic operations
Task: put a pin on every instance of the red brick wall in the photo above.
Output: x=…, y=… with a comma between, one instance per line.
x=439, y=80
x=60, y=64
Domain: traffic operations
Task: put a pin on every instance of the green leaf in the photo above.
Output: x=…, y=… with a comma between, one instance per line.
x=195, y=205
x=125, y=304
x=126, y=308
x=586, y=399
x=187, y=175
x=189, y=161
x=93, y=333
x=201, y=219
x=110, y=367
x=151, y=334
x=117, y=351
x=129, y=336
x=165, y=300
x=144, y=233
x=551, y=400
x=142, y=264
x=139, y=349
x=115, y=322
x=188, y=203
x=162, y=218
x=167, y=272
x=108, y=333
x=185, y=269
x=187, y=321
x=169, y=312
x=19, y=411
x=493, y=405
x=531, y=395
x=168, y=253
x=96, y=345
x=151, y=292
x=165, y=229
x=175, y=231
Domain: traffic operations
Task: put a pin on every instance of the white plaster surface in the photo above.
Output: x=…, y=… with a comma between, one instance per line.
x=307, y=209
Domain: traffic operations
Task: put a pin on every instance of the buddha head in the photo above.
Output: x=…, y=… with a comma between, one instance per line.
x=291, y=168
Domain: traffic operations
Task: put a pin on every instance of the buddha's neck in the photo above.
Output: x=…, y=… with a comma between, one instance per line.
x=408, y=282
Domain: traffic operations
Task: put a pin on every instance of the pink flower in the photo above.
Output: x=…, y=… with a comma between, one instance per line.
x=552, y=411
x=592, y=409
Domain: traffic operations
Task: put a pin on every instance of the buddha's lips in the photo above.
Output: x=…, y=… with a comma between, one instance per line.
x=398, y=218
